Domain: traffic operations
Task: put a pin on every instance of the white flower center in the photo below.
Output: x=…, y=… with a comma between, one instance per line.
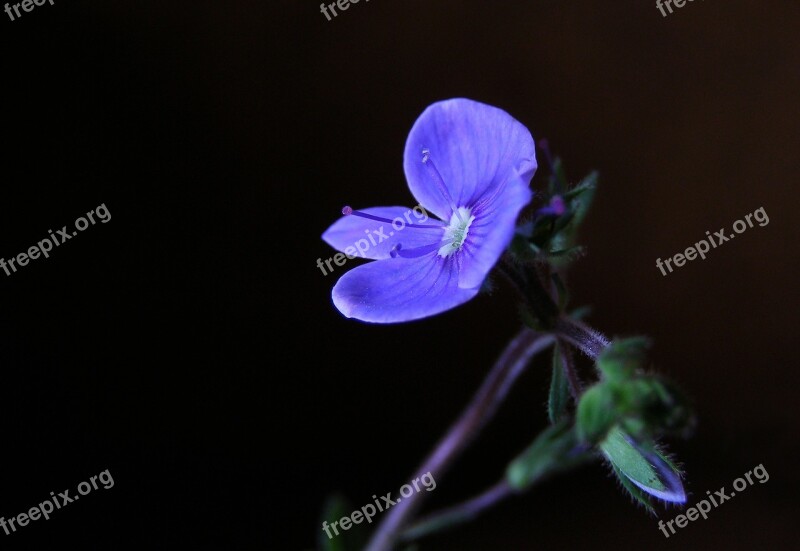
x=456, y=232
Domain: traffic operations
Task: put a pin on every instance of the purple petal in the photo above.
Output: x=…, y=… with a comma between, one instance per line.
x=492, y=230
x=474, y=146
x=400, y=289
x=357, y=236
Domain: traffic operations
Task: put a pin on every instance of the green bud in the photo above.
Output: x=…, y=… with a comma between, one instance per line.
x=622, y=358
x=596, y=413
x=648, y=405
x=664, y=407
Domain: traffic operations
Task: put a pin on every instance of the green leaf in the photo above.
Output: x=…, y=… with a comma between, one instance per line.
x=563, y=221
x=543, y=231
x=596, y=413
x=551, y=452
x=587, y=185
x=643, y=466
x=565, y=256
x=581, y=196
x=638, y=495
x=559, y=388
x=523, y=249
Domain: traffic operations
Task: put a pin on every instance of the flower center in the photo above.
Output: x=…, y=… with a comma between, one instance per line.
x=456, y=232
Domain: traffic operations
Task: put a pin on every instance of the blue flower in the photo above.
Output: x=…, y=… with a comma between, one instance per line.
x=470, y=165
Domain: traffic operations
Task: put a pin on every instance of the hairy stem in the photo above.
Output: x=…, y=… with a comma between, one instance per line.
x=492, y=392
x=589, y=341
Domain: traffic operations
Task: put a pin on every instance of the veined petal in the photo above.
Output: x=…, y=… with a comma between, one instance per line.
x=372, y=239
x=474, y=146
x=400, y=289
x=492, y=230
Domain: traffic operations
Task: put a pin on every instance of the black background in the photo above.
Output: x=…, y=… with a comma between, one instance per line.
x=190, y=347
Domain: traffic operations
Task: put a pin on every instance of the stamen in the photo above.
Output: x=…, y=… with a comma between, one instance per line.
x=438, y=180
x=456, y=233
x=416, y=252
x=347, y=211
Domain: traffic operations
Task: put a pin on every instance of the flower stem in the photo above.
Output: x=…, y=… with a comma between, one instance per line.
x=492, y=392
x=458, y=514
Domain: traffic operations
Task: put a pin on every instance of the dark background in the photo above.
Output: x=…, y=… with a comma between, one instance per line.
x=190, y=347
